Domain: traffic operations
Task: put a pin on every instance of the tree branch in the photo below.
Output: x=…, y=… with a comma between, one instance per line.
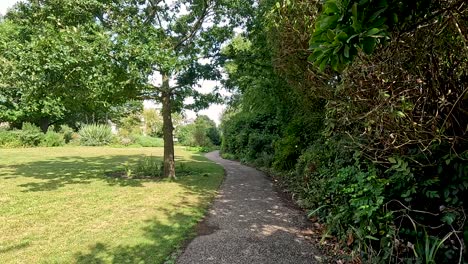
x=198, y=24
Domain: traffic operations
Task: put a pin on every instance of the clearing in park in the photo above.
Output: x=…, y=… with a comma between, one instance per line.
x=59, y=205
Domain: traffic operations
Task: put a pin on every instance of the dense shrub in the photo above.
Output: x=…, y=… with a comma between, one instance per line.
x=95, y=135
x=9, y=138
x=201, y=133
x=30, y=135
x=147, y=167
x=376, y=144
x=247, y=136
x=130, y=125
x=67, y=133
x=153, y=122
x=52, y=139
x=213, y=134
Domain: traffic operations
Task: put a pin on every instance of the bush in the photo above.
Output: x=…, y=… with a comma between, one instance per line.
x=75, y=139
x=202, y=133
x=67, y=133
x=30, y=135
x=52, y=139
x=95, y=135
x=228, y=156
x=9, y=138
x=146, y=141
x=214, y=135
x=264, y=160
x=130, y=125
x=126, y=141
x=147, y=167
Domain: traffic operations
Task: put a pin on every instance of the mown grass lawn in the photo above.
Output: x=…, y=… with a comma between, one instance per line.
x=58, y=206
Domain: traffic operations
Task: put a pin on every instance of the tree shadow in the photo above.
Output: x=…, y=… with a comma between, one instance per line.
x=61, y=171
x=161, y=239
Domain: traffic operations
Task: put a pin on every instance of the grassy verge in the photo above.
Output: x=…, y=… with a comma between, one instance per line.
x=57, y=205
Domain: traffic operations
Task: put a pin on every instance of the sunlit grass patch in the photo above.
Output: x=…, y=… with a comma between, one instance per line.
x=57, y=205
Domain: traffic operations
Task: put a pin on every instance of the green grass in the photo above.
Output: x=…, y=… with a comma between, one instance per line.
x=57, y=205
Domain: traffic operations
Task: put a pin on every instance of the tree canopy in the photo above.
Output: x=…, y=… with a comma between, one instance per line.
x=58, y=62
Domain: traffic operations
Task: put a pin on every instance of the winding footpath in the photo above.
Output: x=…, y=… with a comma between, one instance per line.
x=249, y=223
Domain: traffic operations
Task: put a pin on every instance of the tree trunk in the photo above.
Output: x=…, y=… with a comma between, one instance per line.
x=44, y=124
x=169, y=164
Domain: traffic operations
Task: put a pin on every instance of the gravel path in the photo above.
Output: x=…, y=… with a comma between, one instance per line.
x=249, y=224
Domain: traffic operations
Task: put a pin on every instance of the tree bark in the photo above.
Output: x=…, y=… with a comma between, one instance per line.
x=169, y=163
x=44, y=124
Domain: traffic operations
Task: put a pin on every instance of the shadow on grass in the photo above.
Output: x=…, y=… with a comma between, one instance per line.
x=61, y=171
x=160, y=240
x=15, y=247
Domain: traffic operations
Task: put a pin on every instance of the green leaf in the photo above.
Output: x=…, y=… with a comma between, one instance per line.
x=373, y=31
x=368, y=45
x=342, y=36
x=346, y=51
x=354, y=11
x=400, y=114
x=449, y=218
x=372, y=238
x=377, y=14
x=323, y=65
x=328, y=22
x=378, y=23
x=330, y=35
x=331, y=7
x=334, y=63
x=315, y=55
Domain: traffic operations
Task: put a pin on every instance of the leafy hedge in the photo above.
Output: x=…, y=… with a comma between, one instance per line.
x=31, y=136
x=371, y=139
x=9, y=139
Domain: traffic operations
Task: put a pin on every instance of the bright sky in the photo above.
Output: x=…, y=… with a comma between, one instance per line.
x=213, y=112
x=5, y=4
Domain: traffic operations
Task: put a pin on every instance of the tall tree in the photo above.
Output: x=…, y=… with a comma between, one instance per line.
x=69, y=54
x=180, y=40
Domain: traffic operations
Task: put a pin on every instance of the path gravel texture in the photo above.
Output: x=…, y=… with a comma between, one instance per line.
x=249, y=223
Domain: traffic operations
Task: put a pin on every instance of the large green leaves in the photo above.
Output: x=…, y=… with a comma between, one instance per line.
x=345, y=27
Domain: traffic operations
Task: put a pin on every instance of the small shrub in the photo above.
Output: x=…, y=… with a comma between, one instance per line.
x=67, y=133
x=264, y=160
x=9, y=138
x=228, y=156
x=95, y=135
x=146, y=167
x=30, y=135
x=75, y=139
x=52, y=139
x=126, y=141
x=130, y=125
